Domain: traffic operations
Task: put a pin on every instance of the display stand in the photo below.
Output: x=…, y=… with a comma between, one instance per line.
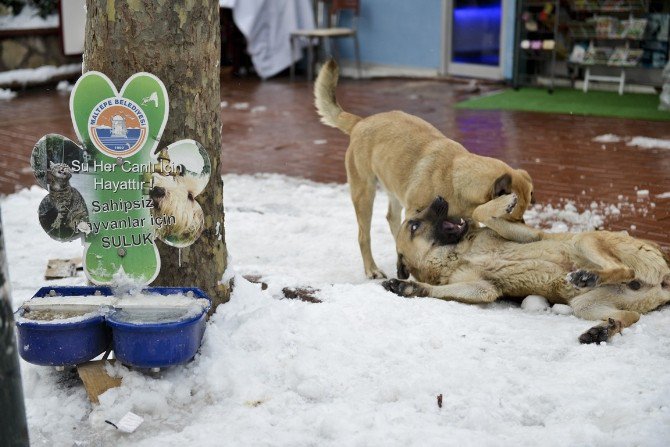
x=536, y=33
x=615, y=36
x=588, y=77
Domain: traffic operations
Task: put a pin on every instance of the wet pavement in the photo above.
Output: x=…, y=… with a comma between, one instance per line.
x=271, y=126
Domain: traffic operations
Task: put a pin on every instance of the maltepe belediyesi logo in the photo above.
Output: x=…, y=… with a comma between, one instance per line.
x=118, y=127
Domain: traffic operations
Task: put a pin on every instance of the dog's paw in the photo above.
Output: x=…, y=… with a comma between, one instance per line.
x=582, y=279
x=601, y=333
x=375, y=274
x=513, y=199
x=403, y=288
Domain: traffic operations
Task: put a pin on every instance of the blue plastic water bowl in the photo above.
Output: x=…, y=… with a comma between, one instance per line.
x=67, y=341
x=158, y=338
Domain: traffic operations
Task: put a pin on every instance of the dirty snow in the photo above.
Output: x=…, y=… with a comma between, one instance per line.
x=643, y=142
x=649, y=143
x=607, y=138
x=29, y=76
x=64, y=86
x=7, y=94
x=363, y=367
x=28, y=18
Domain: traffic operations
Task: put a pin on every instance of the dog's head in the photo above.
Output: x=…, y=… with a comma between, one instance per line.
x=174, y=202
x=427, y=237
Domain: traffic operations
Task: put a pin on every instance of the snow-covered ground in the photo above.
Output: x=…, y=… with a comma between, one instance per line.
x=29, y=76
x=28, y=18
x=364, y=367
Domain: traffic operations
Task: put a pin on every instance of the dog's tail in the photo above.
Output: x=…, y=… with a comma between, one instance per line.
x=324, y=99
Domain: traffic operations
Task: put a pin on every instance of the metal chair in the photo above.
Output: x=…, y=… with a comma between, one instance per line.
x=326, y=33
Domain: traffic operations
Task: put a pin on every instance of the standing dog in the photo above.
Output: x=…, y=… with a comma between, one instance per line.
x=414, y=162
x=602, y=275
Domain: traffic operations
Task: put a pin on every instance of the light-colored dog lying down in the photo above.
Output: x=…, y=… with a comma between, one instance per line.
x=602, y=275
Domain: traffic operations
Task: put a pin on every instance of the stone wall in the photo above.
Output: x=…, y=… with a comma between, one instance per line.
x=32, y=51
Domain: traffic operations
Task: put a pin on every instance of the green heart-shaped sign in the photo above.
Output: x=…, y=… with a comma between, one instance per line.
x=120, y=131
x=117, y=188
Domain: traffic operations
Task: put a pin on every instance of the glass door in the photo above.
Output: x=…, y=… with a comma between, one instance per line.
x=474, y=36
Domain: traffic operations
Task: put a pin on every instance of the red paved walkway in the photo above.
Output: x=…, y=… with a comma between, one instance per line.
x=271, y=127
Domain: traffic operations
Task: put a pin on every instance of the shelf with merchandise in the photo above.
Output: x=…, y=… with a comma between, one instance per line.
x=609, y=6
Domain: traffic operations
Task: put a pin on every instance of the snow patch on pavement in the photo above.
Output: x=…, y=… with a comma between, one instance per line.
x=639, y=141
x=607, y=138
x=649, y=143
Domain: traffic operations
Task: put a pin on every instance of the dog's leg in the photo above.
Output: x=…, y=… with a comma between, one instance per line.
x=608, y=269
x=596, y=305
x=394, y=214
x=492, y=214
x=475, y=292
x=363, y=196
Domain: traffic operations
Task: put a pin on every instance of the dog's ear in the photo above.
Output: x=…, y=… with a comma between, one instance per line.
x=502, y=186
x=402, y=272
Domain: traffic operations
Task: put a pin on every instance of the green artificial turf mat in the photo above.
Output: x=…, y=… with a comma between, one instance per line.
x=572, y=102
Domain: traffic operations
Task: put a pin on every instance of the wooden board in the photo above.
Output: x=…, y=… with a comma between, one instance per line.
x=62, y=268
x=95, y=378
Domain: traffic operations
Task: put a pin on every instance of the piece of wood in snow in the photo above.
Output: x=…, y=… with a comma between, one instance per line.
x=62, y=268
x=95, y=378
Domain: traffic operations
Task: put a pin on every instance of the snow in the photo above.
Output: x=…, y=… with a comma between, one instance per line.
x=64, y=86
x=607, y=138
x=363, y=367
x=53, y=317
x=649, y=143
x=7, y=94
x=664, y=195
x=535, y=303
x=28, y=18
x=568, y=218
x=639, y=141
x=28, y=76
x=561, y=309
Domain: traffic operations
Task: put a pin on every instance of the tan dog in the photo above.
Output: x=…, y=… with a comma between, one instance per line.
x=414, y=162
x=602, y=275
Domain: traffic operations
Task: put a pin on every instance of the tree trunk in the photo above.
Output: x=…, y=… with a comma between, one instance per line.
x=179, y=42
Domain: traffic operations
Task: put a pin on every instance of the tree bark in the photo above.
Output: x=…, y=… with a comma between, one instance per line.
x=178, y=41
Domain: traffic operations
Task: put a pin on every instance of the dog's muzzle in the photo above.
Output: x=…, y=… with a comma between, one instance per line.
x=447, y=230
